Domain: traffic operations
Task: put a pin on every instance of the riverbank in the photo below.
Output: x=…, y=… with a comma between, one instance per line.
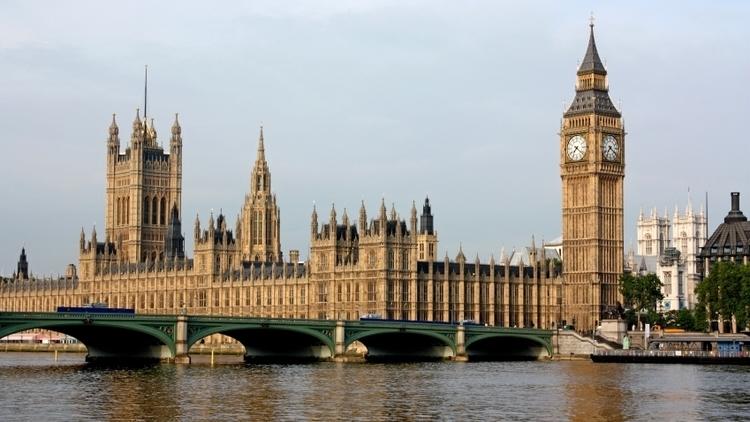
x=43, y=347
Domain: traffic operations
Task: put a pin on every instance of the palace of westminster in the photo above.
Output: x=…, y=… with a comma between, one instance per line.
x=377, y=264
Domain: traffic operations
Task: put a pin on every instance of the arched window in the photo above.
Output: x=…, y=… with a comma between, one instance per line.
x=127, y=210
x=146, y=208
x=683, y=242
x=154, y=205
x=649, y=247
x=163, y=211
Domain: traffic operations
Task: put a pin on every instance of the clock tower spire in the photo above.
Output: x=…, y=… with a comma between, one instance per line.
x=592, y=169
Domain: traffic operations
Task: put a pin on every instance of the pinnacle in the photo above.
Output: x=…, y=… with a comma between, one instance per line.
x=591, y=60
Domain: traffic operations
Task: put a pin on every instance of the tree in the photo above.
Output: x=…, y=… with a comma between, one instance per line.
x=641, y=292
x=725, y=292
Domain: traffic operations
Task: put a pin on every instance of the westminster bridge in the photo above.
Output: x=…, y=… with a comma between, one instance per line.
x=169, y=337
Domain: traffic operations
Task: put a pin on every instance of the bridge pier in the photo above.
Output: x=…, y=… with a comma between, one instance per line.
x=461, y=355
x=339, y=341
x=181, y=355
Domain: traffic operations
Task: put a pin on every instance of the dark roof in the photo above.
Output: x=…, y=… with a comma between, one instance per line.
x=732, y=237
x=591, y=61
x=592, y=101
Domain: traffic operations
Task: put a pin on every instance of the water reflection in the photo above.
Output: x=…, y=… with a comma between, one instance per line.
x=33, y=387
x=594, y=392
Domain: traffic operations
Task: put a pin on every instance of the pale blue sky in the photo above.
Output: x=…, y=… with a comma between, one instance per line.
x=461, y=100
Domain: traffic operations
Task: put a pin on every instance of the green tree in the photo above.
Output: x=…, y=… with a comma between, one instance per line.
x=641, y=292
x=725, y=292
x=685, y=320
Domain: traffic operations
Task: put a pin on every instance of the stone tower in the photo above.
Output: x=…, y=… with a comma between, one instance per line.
x=22, y=270
x=653, y=234
x=259, y=233
x=427, y=239
x=592, y=168
x=143, y=184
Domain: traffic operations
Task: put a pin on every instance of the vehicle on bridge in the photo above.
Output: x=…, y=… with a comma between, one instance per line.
x=98, y=308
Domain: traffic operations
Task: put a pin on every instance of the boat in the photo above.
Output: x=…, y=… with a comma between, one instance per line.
x=684, y=348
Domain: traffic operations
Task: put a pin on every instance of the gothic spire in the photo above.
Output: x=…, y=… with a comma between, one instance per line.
x=362, y=218
x=591, y=61
x=261, y=149
x=114, y=131
x=314, y=221
x=176, y=129
x=197, y=227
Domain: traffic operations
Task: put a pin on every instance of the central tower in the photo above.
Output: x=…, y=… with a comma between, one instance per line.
x=592, y=168
x=259, y=233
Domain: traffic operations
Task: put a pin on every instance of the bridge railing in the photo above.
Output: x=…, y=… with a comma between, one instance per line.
x=81, y=315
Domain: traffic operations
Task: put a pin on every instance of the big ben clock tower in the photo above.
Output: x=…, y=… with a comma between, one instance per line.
x=592, y=168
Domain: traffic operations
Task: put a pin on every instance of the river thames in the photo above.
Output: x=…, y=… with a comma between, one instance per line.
x=33, y=386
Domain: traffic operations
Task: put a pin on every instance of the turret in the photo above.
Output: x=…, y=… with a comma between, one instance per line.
x=175, y=143
x=82, y=244
x=174, y=242
x=151, y=133
x=362, y=219
x=197, y=229
x=426, y=222
x=136, y=137
x=113, y=142
x=345, y=222
x=413, y=221
x=332, y=222
x=314, y=223
x=22, y=272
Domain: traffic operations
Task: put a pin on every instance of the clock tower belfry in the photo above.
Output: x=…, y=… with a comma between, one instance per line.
x=592, y=169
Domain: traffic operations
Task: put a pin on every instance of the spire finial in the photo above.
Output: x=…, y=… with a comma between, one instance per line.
x=261, y=147
x=591, y=60
x=591, y=20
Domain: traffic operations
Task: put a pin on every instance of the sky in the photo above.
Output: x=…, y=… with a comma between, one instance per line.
x=363, y=100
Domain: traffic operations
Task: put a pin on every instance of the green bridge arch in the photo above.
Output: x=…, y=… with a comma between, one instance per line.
x=161, y=331
x=364, y=333
x=471, y=339
x=226, y=329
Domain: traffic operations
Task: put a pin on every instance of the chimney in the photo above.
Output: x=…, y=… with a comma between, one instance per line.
x=735, y=215
x=294, y=256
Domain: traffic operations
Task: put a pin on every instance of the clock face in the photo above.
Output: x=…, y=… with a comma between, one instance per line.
x=576, y=148
x=610, y=148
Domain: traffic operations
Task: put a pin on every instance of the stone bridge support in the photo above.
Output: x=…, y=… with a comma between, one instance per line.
x=339, y=338
x=461, y=355
x=181, y=339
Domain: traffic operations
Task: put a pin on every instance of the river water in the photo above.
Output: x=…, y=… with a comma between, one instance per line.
x=33, y=386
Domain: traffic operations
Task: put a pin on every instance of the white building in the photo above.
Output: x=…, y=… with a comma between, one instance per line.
x=669, y=248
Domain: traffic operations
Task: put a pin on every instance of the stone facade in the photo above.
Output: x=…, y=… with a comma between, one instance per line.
x=592, y=165
x=669, y=248
x=144, y=183
x=385, y=266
